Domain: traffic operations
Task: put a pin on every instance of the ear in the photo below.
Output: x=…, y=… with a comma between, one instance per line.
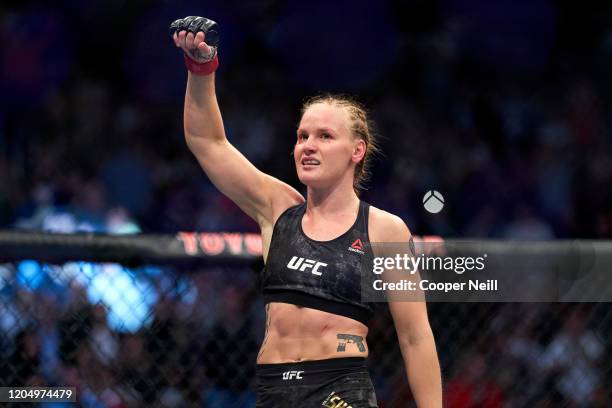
x=359, y=151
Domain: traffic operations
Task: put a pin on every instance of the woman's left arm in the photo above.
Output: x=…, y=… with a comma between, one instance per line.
x=414, y=333
x=419, y=351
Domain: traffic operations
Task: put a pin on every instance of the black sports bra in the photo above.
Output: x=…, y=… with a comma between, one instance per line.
x=323, y=275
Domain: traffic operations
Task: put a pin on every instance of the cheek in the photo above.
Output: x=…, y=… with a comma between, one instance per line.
x=342, y=155
x=297, y=152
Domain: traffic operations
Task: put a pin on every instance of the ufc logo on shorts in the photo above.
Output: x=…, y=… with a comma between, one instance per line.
x=303, y=263
x=292, y=375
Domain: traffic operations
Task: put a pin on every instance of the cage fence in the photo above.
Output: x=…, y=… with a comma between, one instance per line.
x=150, y=335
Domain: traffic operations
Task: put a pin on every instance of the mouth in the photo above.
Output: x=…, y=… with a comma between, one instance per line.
x=309, y=163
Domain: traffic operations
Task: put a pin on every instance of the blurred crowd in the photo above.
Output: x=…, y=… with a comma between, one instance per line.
x=516, y=138
x=198, y=343
x=195, y=350
x=503, y=107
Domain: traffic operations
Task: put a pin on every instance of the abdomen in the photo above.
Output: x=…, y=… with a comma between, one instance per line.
x=296, y=333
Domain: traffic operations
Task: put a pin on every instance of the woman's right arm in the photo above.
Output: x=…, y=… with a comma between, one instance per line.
x=259, y=195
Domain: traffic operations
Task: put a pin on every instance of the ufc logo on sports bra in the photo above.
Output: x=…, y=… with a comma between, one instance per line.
x=290, y=375
x=303, y=263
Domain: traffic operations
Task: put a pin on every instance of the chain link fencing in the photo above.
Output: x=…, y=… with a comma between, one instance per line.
x=157, y=336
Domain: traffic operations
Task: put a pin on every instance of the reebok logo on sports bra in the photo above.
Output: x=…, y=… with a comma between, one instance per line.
x=357, y=246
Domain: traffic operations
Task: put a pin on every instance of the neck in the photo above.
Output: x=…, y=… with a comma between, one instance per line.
x=335, y=199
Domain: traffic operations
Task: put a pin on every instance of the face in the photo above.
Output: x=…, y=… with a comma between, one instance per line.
x=326, y=151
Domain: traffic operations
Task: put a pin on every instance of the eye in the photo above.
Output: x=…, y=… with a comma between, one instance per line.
x=302, y=136
x=325, y=136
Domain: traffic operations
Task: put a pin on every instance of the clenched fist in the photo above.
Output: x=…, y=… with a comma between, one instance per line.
x=198, y=37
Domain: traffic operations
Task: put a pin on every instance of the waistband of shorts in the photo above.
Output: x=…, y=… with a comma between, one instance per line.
x=309, y=372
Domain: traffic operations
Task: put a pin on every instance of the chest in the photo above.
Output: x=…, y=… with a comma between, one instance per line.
x=337, y=265
x=327, y=229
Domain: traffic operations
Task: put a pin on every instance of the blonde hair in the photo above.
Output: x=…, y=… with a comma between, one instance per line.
x=361, y=127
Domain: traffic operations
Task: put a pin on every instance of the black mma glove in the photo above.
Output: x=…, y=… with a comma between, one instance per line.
x=197, y=62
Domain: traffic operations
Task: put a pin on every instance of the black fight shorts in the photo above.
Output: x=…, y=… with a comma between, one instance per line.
x=333, y=383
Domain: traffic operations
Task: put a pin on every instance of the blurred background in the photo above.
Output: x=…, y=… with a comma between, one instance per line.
x=502, y=106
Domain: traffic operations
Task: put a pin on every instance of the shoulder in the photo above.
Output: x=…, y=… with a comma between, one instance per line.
x=386, y=227
x=291, y=199
x=284, y=198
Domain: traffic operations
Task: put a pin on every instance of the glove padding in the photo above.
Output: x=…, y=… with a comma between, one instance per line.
x=198, y=61
x=193, y=24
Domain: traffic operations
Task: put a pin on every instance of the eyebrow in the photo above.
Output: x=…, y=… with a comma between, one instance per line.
x=322, y=129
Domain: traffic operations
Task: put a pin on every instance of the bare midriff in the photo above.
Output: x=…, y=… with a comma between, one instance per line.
x=296, y=333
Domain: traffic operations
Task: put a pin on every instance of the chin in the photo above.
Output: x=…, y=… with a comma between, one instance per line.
x=313, y=181
x=307, y=180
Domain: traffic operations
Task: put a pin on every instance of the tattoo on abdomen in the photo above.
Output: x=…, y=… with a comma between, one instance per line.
x=350, y=338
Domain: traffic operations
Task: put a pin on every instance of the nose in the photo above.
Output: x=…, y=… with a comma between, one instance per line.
x=310, y=145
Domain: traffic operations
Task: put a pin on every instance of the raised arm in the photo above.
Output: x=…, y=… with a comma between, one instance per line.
x=259, y=195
